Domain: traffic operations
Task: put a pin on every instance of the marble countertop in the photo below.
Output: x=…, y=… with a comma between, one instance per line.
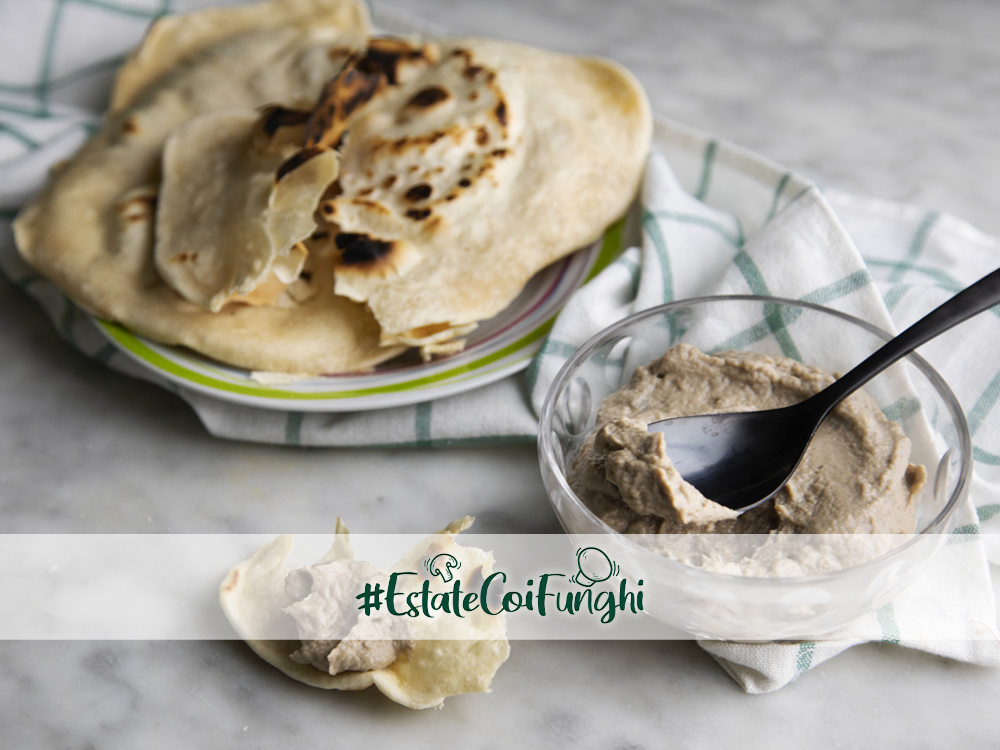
x=888, y=98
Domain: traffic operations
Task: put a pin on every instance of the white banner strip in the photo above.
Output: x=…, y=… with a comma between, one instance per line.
x=167, y=586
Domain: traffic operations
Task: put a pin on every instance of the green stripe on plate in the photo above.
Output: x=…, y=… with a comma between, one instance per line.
x=132, y=344
x=610, y=248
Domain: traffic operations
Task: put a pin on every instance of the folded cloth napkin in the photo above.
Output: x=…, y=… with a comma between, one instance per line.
x=713, y=219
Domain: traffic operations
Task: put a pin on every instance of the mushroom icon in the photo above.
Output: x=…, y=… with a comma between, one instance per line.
x=593, y=566
x=442, y=565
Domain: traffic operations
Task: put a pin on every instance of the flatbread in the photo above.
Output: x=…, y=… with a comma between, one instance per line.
x=462, y=168
x=92, y=229
x=480, y=163
x=225, y=220
x=449, y=655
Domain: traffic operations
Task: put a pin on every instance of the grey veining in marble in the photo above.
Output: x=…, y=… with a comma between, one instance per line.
x=894, y=99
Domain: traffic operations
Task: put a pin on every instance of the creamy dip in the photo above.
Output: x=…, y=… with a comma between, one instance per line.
x=855, y=477
x=334, y=638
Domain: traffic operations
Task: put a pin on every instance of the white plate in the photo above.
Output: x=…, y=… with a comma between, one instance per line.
x=497, y=348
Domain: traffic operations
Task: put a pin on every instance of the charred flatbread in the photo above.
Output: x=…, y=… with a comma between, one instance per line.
x=92, y=230
x=278, y=190
x=480, y=163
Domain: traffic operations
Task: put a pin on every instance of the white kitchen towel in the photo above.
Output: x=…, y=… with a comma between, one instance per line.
x=713, y=219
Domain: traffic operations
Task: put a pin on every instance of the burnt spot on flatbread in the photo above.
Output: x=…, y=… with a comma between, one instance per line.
x=471, y=71
x=389, y=181
x=339, y=52
x=418, y=214
x=419, y=192
x=184, y=258
x=465, y=182
x=297, y=160
x=374, y=206
x=281, y=117
x=129, y=126
x=338, y=100
x=428, y=97
x=366, y=191
x=362, y=249
x=362, y=88
x=482, y=136
x=384, y=56
x=499, y=153
x=501, y=112
x=422, y=142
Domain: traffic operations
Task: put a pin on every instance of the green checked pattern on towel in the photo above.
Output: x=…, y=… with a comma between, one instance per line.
x=713, y=219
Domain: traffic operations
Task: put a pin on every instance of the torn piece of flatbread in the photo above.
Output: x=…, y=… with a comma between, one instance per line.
x=232, y=210
x=318, y=638
x=92, y=229
x=477, y=164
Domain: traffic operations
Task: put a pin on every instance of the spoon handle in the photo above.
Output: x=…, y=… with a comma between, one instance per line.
x=981, y=296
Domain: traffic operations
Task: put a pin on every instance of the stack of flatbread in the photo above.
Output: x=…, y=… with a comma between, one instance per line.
x=277, y=189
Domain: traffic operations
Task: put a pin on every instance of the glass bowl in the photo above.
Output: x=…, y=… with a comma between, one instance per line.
x=710, y=604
